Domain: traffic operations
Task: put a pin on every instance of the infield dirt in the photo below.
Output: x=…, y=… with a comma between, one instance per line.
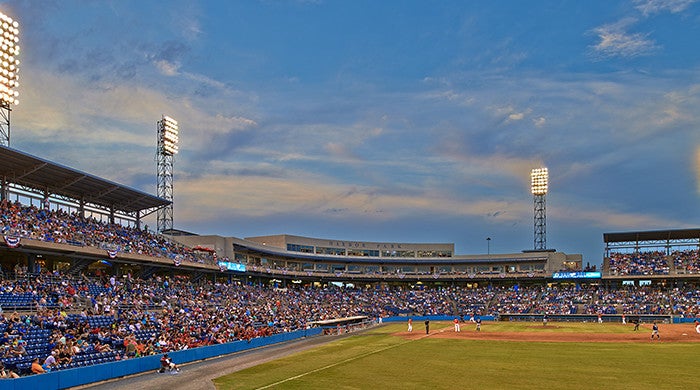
x=557, y=332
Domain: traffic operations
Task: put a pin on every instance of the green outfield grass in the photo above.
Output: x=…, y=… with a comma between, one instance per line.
x=378, y=359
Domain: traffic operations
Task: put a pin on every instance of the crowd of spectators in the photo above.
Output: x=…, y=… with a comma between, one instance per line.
x=687, y=261
x=641, y=300
x=638, y=263
x=122, y=318
x=59, y=226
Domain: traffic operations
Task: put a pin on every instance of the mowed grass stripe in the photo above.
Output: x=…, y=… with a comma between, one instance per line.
x=332, y=354
x=336, y=364
x=445, y=363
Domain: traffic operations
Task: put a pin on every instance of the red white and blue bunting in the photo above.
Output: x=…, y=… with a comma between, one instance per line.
x=12, y=241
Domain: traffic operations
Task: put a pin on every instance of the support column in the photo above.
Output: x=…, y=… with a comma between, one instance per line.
x=4, y=189
x=31, y=263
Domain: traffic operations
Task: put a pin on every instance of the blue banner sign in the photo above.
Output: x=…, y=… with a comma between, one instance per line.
x=238, y=267
x=577, y=275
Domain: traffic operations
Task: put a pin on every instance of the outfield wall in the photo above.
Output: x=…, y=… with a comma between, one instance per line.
x=100, y=372
x=587, y=317
x=648, y=318
x=417, y=319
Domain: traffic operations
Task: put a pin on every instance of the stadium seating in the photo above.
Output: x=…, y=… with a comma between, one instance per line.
x=94, y=320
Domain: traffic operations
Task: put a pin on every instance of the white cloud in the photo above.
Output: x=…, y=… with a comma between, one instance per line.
x=112, y=119
x=510, y=113
x=650, y=7
x=516, y=116
x=615, y=41
x=167, y=68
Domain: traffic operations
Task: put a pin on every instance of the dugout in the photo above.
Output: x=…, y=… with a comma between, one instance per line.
x=341, y=325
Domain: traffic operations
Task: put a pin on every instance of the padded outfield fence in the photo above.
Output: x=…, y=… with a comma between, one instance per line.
x=646, y=318
x=630, y=318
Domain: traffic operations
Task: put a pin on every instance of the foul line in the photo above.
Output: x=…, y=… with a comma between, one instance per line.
x=339, y=363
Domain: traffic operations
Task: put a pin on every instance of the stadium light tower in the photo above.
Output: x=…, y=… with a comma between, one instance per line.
x=540, y=181
x=9, y=73
x=167, y=149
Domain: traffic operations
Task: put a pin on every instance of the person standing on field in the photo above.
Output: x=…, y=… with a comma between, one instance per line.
x=456, y=321
x=427, y=326
x=410, y=324
x=655, y=331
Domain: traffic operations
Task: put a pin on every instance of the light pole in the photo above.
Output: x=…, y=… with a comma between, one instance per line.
x=540, y=184
x=167, y=149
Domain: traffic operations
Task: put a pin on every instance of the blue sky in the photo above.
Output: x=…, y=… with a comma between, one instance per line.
x=391, y=121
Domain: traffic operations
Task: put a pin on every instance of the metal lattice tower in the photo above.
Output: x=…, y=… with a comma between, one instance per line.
x=167, y=148
x=5, y=123
x=540, y=222
x=540, y=181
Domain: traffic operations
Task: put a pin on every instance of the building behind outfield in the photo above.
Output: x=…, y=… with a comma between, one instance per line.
x=288, y=257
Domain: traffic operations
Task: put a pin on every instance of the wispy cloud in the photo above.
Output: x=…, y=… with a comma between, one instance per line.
x=650, y=7
x=257, y=196
x=616, y=41
x=167, y=68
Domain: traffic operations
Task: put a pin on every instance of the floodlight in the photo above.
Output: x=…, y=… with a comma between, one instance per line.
x=9, y=64
x=540, y=180
x=168, y=135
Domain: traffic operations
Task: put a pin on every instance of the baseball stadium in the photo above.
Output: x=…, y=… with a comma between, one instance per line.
x=94, y=298
x=91, y=297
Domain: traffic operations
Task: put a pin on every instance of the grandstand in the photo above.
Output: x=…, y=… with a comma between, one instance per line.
x=661, y=256
x=82, y=278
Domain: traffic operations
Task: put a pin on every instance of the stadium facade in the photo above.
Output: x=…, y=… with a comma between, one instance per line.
x=286, y=257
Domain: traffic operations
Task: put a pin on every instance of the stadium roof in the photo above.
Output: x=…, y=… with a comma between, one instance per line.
x=43, y=175
x=654, y=235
